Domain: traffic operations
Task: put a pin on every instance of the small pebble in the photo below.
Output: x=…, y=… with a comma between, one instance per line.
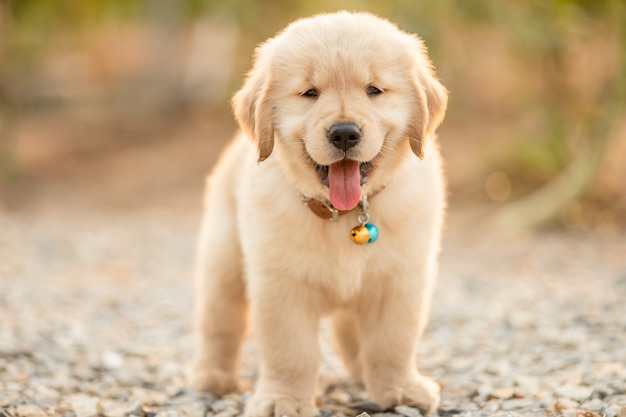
x=112, y=360
x=229, y=412
x=29, y=410
x=484, y=391
x=502, y=393
x=408, y=411
x=112, y=408
x=225, y=405
x=136, y=409
x=518, y=403
x=340, y=397
x=575, y=392
x=85, y=405
x=366, y=406
x=169, y=413
x=564, y=404
x=596, y=405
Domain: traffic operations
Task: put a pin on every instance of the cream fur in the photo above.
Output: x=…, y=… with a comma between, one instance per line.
x=261, y=249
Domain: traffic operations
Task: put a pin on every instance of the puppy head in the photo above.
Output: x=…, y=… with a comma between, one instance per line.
x=340, y=98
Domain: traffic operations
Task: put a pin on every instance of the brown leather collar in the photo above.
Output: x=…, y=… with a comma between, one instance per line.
x=322, y=209
x=325, y=210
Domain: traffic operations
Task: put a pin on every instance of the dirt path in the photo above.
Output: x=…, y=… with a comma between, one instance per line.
x=95, y=308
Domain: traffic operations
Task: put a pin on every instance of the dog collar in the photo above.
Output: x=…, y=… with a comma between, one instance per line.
x=322, y=209
x=365, y=232
x=325, y=210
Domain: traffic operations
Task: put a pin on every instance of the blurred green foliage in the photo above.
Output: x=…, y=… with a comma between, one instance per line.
x=539, y=37
x=533, y=22
x=534, y=26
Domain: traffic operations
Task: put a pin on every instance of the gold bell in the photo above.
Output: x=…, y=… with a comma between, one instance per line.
x=360, y=234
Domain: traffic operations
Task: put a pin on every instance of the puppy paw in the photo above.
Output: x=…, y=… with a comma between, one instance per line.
x=422, y=393
x=276, y=405
x=214, y=381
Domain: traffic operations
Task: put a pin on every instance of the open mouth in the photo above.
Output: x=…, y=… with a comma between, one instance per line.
x=322, y=171
x=344, y=180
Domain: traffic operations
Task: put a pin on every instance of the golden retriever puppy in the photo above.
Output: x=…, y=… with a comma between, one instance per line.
x=328, y=203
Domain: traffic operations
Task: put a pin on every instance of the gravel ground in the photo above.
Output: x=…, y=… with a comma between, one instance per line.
x=95, y=311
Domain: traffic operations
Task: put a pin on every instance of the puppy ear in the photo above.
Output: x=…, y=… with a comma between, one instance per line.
x=253, y=109
x=432, y=100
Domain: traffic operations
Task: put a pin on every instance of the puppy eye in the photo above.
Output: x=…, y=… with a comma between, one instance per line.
x=373, y=91
x=312, y=93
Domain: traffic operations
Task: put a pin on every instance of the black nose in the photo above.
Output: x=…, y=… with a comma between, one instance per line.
x=344, y=135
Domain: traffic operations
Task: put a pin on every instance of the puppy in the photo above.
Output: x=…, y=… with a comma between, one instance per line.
x=337, y=149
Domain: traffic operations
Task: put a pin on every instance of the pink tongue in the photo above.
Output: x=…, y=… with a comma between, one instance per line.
x=344, y=180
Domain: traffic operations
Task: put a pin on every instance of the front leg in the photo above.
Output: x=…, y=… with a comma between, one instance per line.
x=392, y=321
x=285, y=321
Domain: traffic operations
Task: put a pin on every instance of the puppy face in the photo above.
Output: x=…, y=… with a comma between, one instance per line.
x=340, y=99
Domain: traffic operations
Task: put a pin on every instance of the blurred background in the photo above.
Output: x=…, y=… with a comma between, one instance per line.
x=125, y=103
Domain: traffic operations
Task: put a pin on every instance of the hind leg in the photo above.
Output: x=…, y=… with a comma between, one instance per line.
x=221, y=305
x=347, y=338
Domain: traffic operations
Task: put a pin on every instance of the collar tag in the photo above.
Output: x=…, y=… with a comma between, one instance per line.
x=320, y=208
x=365, y=232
